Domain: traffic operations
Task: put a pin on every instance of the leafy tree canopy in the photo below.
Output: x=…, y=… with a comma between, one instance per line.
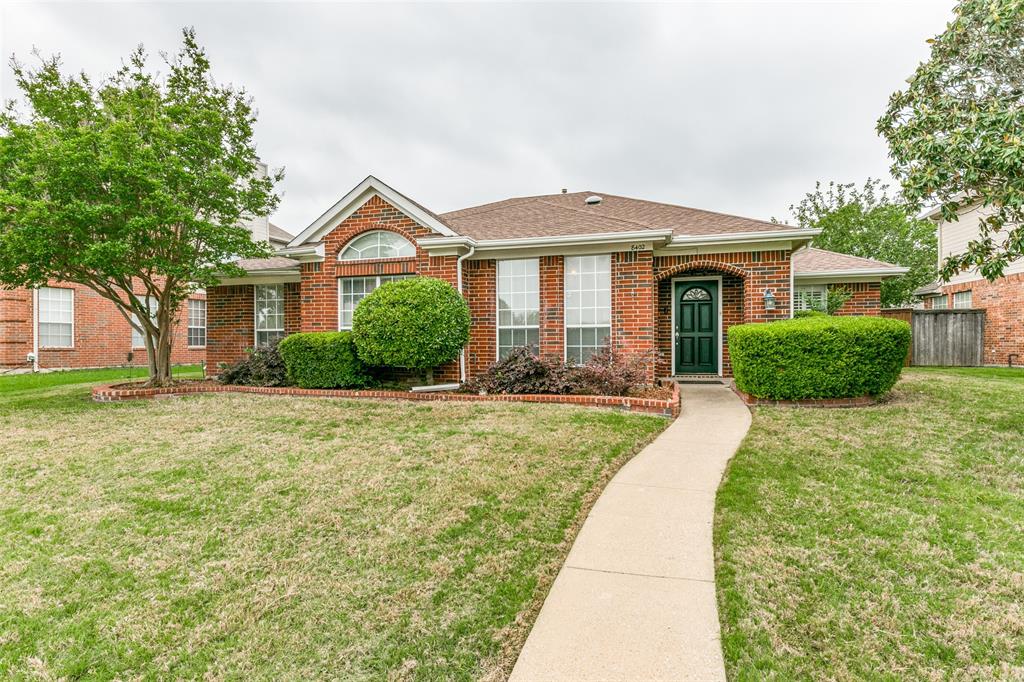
x=955, y=133
x=868, y=223
x=136, y=186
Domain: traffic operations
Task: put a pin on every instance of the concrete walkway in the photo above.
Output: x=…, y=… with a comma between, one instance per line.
x=635, y=599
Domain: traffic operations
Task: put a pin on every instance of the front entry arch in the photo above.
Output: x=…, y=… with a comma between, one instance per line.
x=696, y=313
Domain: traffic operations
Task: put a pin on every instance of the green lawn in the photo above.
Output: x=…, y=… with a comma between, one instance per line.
x=879, y=543
x=237, y=536
x=28, y=381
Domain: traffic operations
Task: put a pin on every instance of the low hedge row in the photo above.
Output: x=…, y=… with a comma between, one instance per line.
x=324, y=360
x=818, y=357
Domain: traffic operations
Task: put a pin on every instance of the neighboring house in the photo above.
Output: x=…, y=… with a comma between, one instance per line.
x=71, y=326
x=1002, y=300
x=563, y=273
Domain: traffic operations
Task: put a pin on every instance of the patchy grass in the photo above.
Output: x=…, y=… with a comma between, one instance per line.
x=28, y=381
x=235, y=536
x=879, y=543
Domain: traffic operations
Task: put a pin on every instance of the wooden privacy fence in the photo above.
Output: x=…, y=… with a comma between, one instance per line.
x=947, y=338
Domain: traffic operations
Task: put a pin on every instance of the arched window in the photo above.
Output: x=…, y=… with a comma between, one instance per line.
x=378, y=244
x=696, y=294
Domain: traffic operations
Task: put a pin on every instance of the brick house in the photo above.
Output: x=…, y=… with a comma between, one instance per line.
x=562, y=273
x=1002, y=300
x=68, y=325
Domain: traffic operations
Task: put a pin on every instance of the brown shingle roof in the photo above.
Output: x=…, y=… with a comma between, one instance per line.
x=272, y=263
x=819, y=260
x=569, y=214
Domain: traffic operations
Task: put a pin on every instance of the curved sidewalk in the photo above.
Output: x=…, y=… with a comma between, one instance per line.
x=635, y=599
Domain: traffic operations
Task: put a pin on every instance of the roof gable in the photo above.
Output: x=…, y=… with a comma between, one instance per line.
x=354, y=200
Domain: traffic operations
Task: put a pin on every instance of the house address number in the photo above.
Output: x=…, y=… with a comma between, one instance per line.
x=640, y=246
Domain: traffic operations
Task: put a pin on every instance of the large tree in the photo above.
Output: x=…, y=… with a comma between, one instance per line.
x=137, y=186
x=955, y=133
x=868, y=223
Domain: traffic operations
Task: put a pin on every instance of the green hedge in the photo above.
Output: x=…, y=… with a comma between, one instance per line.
x=323, y=360
x=417, y=323
x=818, y=357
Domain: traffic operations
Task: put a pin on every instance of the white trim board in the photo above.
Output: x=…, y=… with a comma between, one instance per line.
x=672, y=329
x=354, y=200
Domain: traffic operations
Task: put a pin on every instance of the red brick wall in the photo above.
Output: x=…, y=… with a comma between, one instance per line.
x=479, y=281
x=866, y=299
x=102, y=337
x=745, y=276
x=552, y=307
x=231, y=321
x=1003, y=302
x=634, y=296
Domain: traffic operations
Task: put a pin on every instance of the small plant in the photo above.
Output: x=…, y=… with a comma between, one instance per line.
x=606, y=372
x=324, y=360
x=416, y=323
x=263, y=366
x=836, y=298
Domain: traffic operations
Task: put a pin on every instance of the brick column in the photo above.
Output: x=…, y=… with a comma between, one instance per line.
x=230, y=324
x=552, y=307
x=479, y=283
x=634, y=300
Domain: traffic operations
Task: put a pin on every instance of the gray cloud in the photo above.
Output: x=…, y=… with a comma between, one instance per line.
x=726, y=106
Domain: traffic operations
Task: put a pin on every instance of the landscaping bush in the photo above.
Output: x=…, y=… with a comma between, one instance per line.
x=810, y=313
x=522, y=372
x=417, y=323
x=324, y=360
x=262, y=366
x=818, y=357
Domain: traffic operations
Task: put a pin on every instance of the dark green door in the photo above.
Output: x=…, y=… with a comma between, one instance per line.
x=696, y=327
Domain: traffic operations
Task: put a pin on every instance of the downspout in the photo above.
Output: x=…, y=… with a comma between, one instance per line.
x=35, y=329
x=458, y=277
x=792, y=290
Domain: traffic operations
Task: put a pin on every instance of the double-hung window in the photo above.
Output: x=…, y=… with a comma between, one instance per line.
x=811, y=297
x=351, y=290
x=196, y=322
x=56, y=317
x=940, y=302
x=269, y=313
x=152, y=304
x=518, y=305
x=588, y=305
x=962, y=299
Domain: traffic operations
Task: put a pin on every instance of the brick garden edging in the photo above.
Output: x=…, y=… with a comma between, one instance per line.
x=752, y=401
x=111, y=393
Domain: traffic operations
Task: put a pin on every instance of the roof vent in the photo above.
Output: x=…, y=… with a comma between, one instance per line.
x=593, y=200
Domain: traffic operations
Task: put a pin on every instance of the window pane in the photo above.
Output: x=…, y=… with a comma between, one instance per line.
x=56, y=317
x=378, y=244
x=196, y=322
x=137, y=339
x=518, y=284
x=269, y=313
x=962, y=299
x=587, y=305
x=351, y=290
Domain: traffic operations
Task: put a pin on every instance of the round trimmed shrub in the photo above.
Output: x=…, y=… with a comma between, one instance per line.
x=323, y=360
x=818, y=357
x=416, y=323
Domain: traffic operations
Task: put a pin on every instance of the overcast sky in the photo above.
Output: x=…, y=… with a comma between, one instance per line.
x=735, y=107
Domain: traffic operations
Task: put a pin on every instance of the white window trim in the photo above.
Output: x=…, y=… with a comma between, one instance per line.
x=672, y=329
x=39, y=320
x=350, y=242
x=391, y=278
x=970, y=297
x=823, y=288
x=611, y=304
x=255, y=312
x=188, y=325
x=497, y=295
x=944, y=298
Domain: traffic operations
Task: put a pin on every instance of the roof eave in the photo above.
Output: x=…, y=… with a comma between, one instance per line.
x=802, y=234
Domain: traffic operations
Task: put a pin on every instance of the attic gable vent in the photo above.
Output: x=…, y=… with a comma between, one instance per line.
x=592, y=200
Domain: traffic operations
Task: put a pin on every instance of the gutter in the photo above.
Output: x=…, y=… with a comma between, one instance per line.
x=744, y=237
x=884, y=272
x=35, y=329
x=458, y=277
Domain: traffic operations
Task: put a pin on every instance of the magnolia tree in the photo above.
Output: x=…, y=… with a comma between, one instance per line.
x=137, y=186
x=956, y=133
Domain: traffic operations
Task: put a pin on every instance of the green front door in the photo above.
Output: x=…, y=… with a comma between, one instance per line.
x=696, y=309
